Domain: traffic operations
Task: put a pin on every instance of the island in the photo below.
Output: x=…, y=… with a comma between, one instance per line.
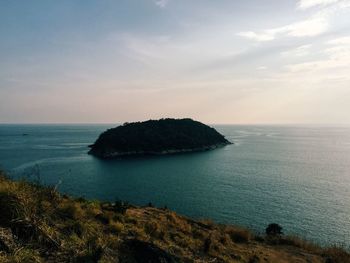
x=157, y=137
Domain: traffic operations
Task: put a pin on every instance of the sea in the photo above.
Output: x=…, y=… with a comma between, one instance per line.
x=296, y=176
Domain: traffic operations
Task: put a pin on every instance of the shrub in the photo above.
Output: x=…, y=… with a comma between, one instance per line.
x=239, y=235
x=206, y=244
x=71, y=210
x=153, y=229
x=297, y=242
x=336, y=255
x=92, y=253
x=103, y=218
x=10, y=209
x=76, y=227
x=118, y=207
x=93, y=211
x=25, y=230
x=274, y=230
x=259, y=238
x=121, y=207
x=116, y=227
x=26, y=255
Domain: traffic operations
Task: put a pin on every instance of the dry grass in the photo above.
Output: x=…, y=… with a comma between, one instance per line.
x=57, y=228
x=336, y=255
x=238, y=235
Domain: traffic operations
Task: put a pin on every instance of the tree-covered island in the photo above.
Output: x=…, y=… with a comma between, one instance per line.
x=157, y=137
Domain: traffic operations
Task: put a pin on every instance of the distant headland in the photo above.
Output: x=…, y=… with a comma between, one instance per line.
x=157, y=137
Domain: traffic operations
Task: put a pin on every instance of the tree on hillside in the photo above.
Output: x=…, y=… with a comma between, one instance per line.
x=274, y=229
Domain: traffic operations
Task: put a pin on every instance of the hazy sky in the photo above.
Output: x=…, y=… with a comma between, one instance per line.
x=222, y=61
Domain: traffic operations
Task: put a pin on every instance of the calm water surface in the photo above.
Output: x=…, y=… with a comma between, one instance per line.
x=298, y=177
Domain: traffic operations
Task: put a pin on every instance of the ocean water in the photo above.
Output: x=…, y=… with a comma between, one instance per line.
x=298, y=177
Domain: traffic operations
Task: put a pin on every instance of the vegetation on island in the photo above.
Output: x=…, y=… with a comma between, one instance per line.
x=164, y=136
x=38, y=224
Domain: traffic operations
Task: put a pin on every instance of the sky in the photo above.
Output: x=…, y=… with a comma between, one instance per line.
x=222, y=61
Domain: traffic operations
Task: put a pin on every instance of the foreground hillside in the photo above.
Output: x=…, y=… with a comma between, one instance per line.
x=37, y=224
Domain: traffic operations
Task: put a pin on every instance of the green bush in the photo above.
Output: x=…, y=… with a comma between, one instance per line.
x=273, y=230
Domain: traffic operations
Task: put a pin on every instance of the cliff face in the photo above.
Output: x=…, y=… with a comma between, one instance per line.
x=157, y=137
x=37, y=224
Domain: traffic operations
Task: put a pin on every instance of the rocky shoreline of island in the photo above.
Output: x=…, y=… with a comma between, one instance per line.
x=116, y=154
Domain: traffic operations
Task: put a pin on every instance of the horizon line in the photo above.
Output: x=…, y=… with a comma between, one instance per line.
x=223, y=124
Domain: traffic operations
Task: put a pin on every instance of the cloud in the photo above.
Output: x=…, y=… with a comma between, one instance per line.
x=260, y=37
x=313, y=26
x=305, y=4
x=331, y=15
x=340, y=41
x=161, y=3
x=316, y=24
x=337, y=57
x=297, y=52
